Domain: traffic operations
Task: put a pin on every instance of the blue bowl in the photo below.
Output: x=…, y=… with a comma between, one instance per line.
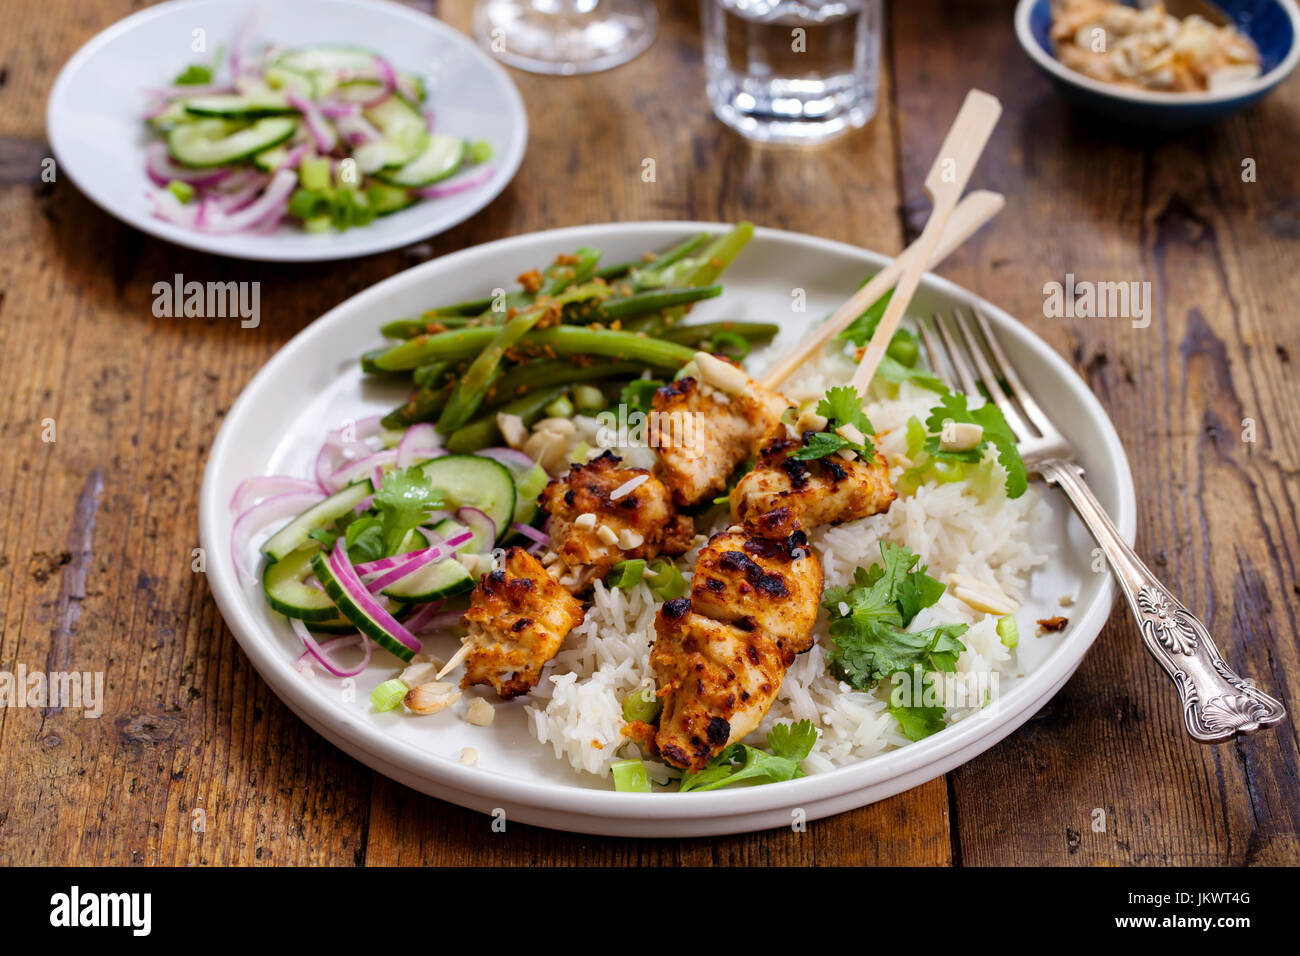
x=1272, y=24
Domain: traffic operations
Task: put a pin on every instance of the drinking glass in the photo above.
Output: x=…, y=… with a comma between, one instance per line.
x=792, y=71
x=565, y=36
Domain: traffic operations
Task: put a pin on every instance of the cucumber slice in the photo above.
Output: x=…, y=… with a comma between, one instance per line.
x=469, y=480
x=327, y=59
x=269, y=160
x=233, y=106
x=405, y=131
x=388, y=199
x=294, y=535
x=173, y=116
x=527, y=487
x=442, y=157
x=363, y=622
x=291, y=80
x=431, y=582
x=286, y=589
x=450, y=527
x=208, y=143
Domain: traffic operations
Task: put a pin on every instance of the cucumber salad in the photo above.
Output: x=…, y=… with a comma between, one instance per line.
x=327, y=136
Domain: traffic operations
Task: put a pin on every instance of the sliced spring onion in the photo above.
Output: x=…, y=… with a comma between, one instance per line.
x=666, y=582
x=388, y=695
x=1008, y=631
x=642, y=704
x=626, y=574
x=560, y=408
x=630, y=776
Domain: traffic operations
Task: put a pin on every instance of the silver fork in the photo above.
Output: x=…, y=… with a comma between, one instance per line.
x=1218, y=704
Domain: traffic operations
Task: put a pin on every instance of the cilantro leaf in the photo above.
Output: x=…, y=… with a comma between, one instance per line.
x=919, y=722
x=364, y=539
x=403, y=503
x=861, y=329
x=196, y=74
x=638, y=394
x=996, y=431
x=819, y=445
x=896, y=373
x=843, y=405
x=870, y=641
x=789, y=745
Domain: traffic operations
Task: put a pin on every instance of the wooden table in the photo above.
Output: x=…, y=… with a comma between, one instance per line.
x=97, y=527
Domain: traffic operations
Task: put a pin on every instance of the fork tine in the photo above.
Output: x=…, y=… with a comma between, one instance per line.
x=960, y=365
x=934, y=352
x=1008, y=373
x=1024, y=431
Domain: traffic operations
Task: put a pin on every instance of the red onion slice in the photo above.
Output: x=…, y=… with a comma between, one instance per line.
x=252, y=490
x=416, y=444
x=516, y=461
x=352, y=586
x=320, y=129
x=456, y=186
x=320, y=653
x=257, y=517
x=274, y=199
x=160, y=168
x=484, y=528
x=539, y=539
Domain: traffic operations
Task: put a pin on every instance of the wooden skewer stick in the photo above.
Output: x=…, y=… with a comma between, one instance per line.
x=971, y=214
x=945, y=183
x=466, y=646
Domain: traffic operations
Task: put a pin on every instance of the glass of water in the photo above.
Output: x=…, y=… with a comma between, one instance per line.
x=792, y=71
x=565, y=36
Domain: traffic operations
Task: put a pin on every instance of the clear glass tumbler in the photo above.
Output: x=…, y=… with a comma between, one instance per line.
x=792, y=71
x=565, y=36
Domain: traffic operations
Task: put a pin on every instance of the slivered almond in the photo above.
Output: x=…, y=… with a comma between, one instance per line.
x=585, y=521
x=469, y=756
x=419, y=673
x=431, y=697
x=982, y=597
x=480, y=712
x=512, y=429
x=721, y=375
x=960, y=436
x=629, y=539
x=607, y=535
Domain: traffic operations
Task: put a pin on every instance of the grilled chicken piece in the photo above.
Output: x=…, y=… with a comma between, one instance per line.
x=773, y=585
x=721, y=654
x=703, y=432
x=517, y=619
x=782, y=494
x=641, y=523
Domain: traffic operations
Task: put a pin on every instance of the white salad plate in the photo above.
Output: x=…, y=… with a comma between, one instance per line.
x=95, y=114
x=314, y=383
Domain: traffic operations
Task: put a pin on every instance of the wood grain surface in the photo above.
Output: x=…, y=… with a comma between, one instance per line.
x=194, y=761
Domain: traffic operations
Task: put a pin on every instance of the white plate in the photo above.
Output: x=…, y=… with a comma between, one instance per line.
x=95, y=125
x=314, y=383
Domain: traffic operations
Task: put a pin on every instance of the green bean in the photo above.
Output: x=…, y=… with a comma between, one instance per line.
x=483, y=432
x=429, y=376
x=652, y=300
x=542, y=373
x=424, y=325
x=660, y=260
x=705, y=331
x=559, y=340
x=424, y=405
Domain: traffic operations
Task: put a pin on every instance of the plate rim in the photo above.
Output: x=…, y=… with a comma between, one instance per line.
x=228, y=246
x=646, y=809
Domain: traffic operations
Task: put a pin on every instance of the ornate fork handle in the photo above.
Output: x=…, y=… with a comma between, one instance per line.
x=1218, y=704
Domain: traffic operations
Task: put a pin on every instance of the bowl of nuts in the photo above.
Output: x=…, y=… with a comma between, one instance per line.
x=1174, y=64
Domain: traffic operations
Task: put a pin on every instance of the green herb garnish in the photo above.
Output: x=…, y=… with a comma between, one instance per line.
x=788, y=744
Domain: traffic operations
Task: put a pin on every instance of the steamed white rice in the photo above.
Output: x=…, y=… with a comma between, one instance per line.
x=577, y=706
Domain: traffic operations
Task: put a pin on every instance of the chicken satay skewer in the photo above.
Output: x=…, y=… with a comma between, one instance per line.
x=945, y=182
x=971, y=214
